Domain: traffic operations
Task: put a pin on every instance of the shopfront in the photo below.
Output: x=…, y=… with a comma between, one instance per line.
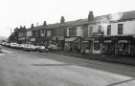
x=86, y=46
x=119, y=45
x=108, y=46
x=132, y=47
x=124, y=47
x=72, y=44
x=59, y=41
x=97, y=45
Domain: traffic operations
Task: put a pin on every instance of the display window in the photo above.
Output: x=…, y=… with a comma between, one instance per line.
x=96, y=46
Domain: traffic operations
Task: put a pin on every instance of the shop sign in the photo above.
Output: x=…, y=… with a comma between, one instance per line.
x=32, y=39
x=122, y=41
x=23, y=38
x=60, y=38
x=84, y=41
x=96, y=41
x=70, y=39
x=107, y=41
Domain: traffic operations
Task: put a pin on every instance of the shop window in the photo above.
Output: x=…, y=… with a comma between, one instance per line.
x=120, y=29
x=96, y=46
x=38, y=33
x=33, y=33
x=109, y=30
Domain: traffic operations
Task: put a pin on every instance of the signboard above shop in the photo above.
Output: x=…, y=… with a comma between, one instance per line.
x=123, y=41
x=32, y=39
x=108, y=41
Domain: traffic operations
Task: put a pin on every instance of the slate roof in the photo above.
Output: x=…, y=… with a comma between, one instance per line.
x=121, y=16
x=56, y=25
x=36, y=28
x=127, y=15
x=77, y=22
x=104, y=18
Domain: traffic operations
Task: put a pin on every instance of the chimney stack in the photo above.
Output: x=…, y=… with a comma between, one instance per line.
x=91, y=16
x=44, y=23
x=32, y=25
x=62, y=20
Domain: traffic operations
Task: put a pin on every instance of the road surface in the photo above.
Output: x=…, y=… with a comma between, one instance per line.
x=21, y=68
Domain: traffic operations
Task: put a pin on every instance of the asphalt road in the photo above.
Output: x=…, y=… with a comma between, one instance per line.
x=21, y=68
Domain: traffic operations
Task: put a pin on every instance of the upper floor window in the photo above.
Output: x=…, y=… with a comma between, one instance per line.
x=33, y=33
x=37, y=33
x=99, y=29
x=79, y=31
x=120, y=29
x=72, y=31
x=49, y=33
x=67, y=32
x=29, y=33
x=42, y=32
x=109, y=30
x=90, y=30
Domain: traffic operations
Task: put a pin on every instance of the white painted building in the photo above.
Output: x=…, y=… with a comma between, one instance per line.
x=79, y=31
x=128, y=28
x=29, y=33
x=122, y=24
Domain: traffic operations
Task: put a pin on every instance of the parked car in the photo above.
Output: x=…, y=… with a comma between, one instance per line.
x=3, y=43
x=29, y=47
x=20, y=46
x=7, y=44
x=53, y=47
x=41, y=48
x=14, y=45
x=0, y=48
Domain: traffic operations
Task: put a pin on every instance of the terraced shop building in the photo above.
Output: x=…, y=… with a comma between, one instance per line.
x=70, y=35
x=120, y=34
x=93, y=34
x=21, y=35
x=36, y=35
x=123, y=45
x=112, y=34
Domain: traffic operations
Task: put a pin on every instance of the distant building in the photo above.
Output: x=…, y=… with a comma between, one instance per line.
x=22, y=35
x=36, y=35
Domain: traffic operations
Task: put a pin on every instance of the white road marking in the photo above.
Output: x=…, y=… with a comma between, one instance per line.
x=1, y=54
x=7, y=51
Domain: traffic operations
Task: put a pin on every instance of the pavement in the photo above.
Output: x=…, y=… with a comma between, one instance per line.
x=21, y=68
x=127, y=60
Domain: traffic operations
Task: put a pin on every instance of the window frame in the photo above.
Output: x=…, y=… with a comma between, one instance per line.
x=120, y=29
x=109, y=30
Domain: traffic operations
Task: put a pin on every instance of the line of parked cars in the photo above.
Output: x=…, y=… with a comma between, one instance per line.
x=0, y=49
x=26, y=47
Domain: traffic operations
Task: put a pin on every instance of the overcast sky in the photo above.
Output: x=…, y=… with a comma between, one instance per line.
x=14, y=13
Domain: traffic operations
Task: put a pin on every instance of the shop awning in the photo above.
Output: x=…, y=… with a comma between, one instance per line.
x=85, y=41
x=88, y=38
x=71, y=39
x=33, y=39
x=58, y=38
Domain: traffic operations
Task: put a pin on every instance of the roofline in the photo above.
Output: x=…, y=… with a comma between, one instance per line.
x=67, y=24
